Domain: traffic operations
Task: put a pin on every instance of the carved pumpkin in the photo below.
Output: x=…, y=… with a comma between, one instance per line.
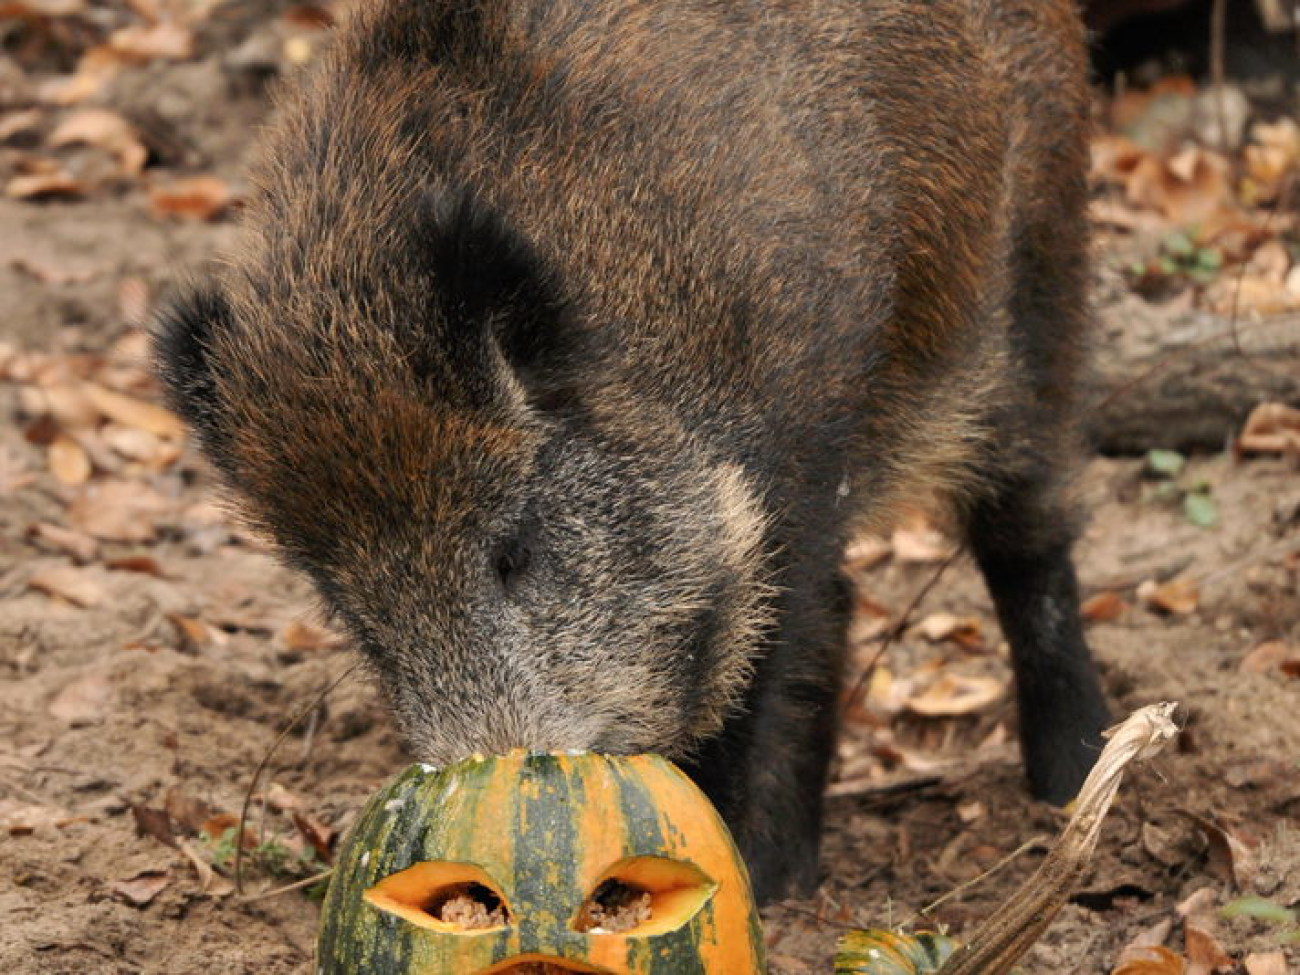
x=533, y=863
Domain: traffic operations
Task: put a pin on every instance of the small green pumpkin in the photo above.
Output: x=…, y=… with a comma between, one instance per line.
x=891, y=953
x=532, y=863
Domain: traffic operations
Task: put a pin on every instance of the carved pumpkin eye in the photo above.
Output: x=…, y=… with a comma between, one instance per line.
x=644, y=896
x=454, y=898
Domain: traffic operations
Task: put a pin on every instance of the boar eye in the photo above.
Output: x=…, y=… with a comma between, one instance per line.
x=512, y=562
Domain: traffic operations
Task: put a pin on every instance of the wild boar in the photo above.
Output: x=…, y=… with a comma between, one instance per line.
x=570, y=340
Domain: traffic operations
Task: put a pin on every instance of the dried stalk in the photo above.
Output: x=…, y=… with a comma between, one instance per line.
x=1001, y=940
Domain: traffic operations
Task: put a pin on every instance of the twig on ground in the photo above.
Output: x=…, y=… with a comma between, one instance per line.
x=311, y=706
x=888, y=638
x=287, y=888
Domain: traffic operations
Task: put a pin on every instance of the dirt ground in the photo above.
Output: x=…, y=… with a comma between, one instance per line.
x=152, y=651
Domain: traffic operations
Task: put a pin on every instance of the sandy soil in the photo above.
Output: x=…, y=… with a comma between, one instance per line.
x=151, y=651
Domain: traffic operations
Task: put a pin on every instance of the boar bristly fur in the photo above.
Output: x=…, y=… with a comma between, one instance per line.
x=570, y=340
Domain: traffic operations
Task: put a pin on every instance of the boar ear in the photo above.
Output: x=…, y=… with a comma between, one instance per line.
x=183, y=337
x=488, y=276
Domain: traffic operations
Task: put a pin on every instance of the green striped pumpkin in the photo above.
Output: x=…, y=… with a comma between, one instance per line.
x=891, y=953
x=541, y=833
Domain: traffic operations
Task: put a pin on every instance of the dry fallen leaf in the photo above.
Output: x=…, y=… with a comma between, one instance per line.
x=132, y=443
x=1153, y=936
x=1114, y=157
x=1271, y=261
x=153, y=822
x=108, y=131
x=140, y=445
x=42, y=8
x=119, y=511
x=79, y=586
x=298, y=50
x=1269, y=656
x=133, y=412
x=1203, y=900
x=96, y=68
x=316, y=833
x=22, y=126
x=1204, y=953
x=195, y=634
x=216, y=827
x=1274, y=155
x=1271, y=428
x=84, y=701
x=1104, y=607
x=281, y=799
x=146, y=42
x=1179, y=596
x=866, y=552
x=1231, y=857
x=68, y=460
x=143, y=564
x=40, y=186
x=919, y=541
x=210, y=882
x=953, y=695
x=1149, y=960
x=103, y=459
x=887, y=694
x=1251, y=294
x=56, y=538
x=139, y=890
x=301, y=635
x=965, y=631
x=1265, y=963
x=194, y=198
x=971, y=810
x=67, y=403
x=309, y=15
x=1189, y=188
x=186, y=811
x=19, y=818
x=1201, y=946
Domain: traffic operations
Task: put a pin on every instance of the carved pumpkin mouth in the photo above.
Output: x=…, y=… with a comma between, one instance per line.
x=542, y=965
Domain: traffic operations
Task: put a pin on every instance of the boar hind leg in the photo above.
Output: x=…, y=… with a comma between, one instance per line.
x=1022, y=538
x=1022, y=529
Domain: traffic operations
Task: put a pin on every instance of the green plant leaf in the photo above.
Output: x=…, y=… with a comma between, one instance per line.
x=1260, y=908
x=1209, y=259
x=1178, y=244
x=1165, y=463
x=1201, y=510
